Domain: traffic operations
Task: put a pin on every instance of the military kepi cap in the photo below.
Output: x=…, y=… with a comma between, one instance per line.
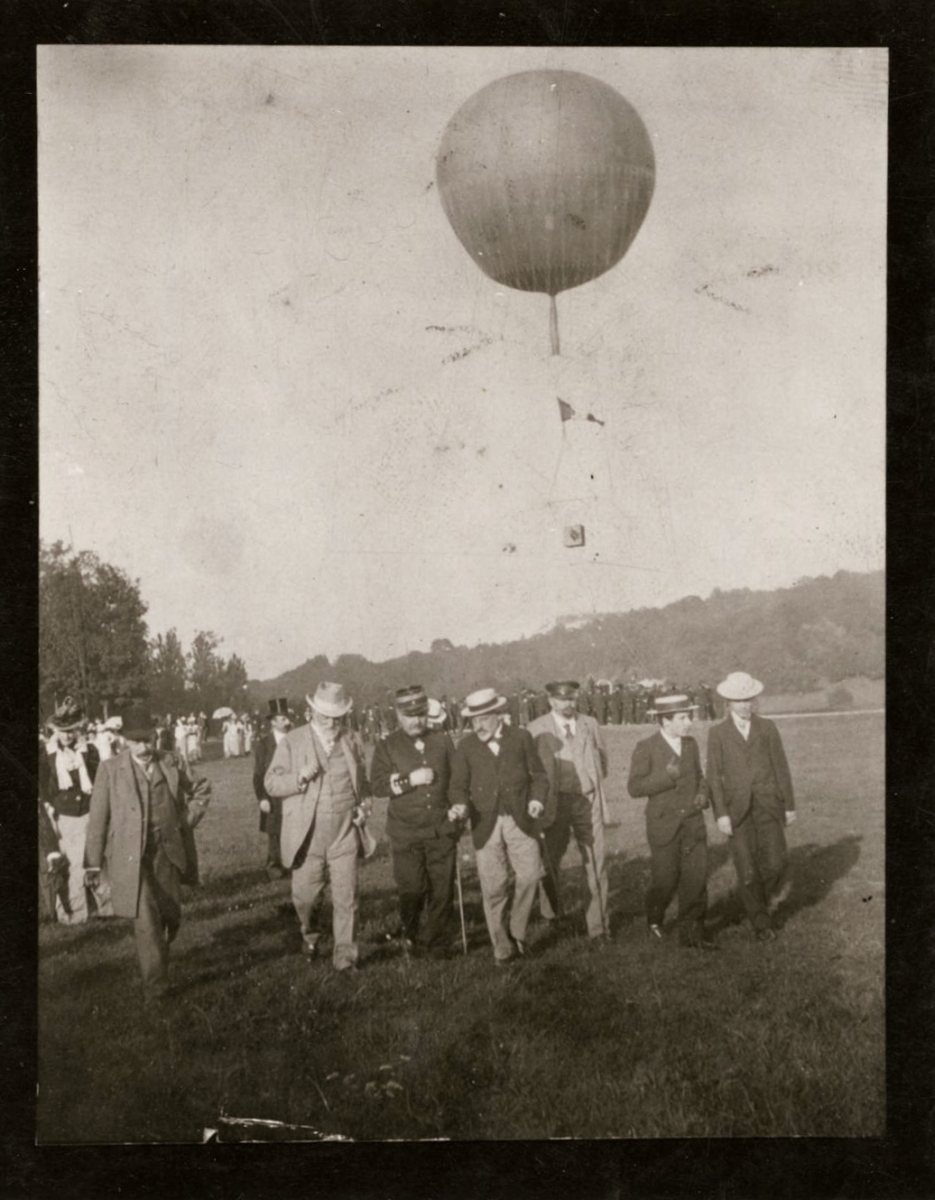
x=563, y=689
x=412, y=700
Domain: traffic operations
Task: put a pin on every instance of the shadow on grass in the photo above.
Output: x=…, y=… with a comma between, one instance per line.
x=811, y=872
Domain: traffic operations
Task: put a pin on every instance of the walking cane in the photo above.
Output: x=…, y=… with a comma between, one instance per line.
x=547, y=859
x=460, y=894
x=605, y=930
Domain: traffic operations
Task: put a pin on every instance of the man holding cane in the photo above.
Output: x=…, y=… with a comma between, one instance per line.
x=499, y=784
x=412, y=766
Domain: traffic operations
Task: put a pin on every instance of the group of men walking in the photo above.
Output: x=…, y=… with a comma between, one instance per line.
x=524, y=793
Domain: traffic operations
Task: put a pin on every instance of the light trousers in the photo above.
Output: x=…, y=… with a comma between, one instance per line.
x=332, y=850
x=508, y=847
x=71, y=836
x=581, y=816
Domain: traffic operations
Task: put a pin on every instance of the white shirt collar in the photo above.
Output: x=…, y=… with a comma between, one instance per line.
x=674, y=742
x=742, y=726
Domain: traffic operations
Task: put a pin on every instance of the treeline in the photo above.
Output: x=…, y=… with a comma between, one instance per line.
x=94, y=645
x=815, y=633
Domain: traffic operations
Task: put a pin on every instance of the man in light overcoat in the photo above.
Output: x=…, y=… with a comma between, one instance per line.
x=320, y=774
x=144, y=807
x=571, y=747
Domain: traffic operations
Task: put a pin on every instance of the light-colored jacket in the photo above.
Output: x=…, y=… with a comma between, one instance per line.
x=587, y=751
x=298, y=750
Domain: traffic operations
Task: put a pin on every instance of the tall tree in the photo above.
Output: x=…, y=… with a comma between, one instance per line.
x=167, y=669
x=92, y=635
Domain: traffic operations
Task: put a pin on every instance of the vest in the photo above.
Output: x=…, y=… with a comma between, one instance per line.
x=337, y=787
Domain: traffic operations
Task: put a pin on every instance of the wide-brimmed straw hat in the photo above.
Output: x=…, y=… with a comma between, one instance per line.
x=739, y=686
x=668, y=706
x=330, y=700
x=483, y=701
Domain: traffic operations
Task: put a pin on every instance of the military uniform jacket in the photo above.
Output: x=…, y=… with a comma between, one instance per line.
x=488, y=783
x=669, y=801
x=740, y=771
x=417, y=812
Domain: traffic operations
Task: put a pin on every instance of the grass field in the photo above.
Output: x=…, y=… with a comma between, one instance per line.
x=632, y=1040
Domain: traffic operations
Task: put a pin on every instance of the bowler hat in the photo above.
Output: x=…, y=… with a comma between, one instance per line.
x=564, y=689
x=412, y=701
x=330, y=701
x=138, y=724
x=668, y=706
x=739, y=686
x=483, y=701
x=278, y=708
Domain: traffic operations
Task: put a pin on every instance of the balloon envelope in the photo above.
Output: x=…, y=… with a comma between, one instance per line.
x=545, y=177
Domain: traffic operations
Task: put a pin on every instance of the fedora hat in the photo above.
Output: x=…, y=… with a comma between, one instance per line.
x=668, y=706
x=412, y=701
x=739, y=686
x=329, y=700
x=564, y=689
x=68, y=716
x=481, y=702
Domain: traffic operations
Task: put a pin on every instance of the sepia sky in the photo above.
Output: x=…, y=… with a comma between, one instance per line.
x=276, y=389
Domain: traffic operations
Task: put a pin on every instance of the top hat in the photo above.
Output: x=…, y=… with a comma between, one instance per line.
x=565, y=689
x=278, y=708
x=330, y=701
x=668, y=706
x=483, y=701
x=412, y=701
x=739, y=686
x=68, y=716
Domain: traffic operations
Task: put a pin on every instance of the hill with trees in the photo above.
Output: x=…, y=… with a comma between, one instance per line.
x=801, y=638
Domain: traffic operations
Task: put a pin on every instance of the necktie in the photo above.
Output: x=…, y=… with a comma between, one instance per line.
x=569, y=735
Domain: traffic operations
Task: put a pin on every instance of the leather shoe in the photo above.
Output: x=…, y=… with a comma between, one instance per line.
x=309, y=949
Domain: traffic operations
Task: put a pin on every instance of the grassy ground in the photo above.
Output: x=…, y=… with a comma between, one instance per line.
x=629, y=1040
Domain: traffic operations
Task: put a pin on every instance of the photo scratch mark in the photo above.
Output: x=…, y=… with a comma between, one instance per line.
x=705, y=290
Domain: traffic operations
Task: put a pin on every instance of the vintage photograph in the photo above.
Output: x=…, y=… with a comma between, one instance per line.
x=462, y=508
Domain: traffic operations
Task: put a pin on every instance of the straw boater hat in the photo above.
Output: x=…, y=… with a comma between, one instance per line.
x=330, y=700
x=412, y=701
x=668, y=706
x=67, y=717
x=436, y=712
x=114, y=724
x=483, y=701
x=739, y=686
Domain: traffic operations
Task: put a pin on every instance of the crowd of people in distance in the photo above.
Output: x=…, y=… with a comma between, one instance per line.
x=523, y=773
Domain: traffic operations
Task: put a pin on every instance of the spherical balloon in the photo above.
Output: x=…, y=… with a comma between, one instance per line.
x=545, y=177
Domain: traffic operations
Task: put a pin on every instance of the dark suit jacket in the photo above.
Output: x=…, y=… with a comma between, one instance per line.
x=486, y=782
x=262, y=757
x=740, y=771
x=669, y=801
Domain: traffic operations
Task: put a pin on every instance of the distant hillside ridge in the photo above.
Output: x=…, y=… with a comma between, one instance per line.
x=818, y=632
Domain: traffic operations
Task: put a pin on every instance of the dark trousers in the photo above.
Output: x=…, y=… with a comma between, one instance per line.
x=681, y=865
x=273, y=833
x=578, y=815
x=758, y=848
x=424, y=872
x=158, y=916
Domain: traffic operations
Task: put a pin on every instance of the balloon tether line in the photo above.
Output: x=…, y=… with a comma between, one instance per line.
x=553, y=325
